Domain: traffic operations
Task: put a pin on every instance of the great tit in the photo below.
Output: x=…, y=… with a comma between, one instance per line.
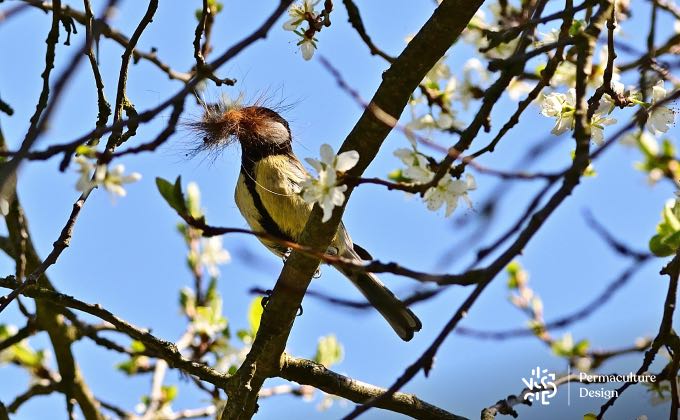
x=268, y=196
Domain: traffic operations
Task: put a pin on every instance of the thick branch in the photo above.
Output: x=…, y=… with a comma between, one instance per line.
x=307, y=372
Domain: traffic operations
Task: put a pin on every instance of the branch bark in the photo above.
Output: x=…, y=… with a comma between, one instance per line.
x=306, y=372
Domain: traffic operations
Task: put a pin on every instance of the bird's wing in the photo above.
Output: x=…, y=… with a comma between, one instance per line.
x=278, y=183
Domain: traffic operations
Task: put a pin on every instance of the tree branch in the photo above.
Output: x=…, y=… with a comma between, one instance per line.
x=306, y=372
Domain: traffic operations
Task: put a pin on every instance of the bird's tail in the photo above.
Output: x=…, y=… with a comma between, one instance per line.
x=404, y=322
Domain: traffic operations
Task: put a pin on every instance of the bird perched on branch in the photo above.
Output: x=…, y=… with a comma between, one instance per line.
x=268, y=196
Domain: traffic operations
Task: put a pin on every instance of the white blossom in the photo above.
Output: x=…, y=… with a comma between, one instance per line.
x=307, y=47
x=661, y=117
x=565, y=75
x=474, y=74
x=472, y=34
x=646, y=142
x=597, y=128
x=548, y=38
x=562, y=107
x=445, y=120
x=298, y=13
x=607, y=104
x=419, y=123
x=324, y=189
x=111, y=179
x=416, y=164
x=449, y=90
x=208, y=320
x=193, y=200
x=213, y=254
x=438, y=72
x=654, y=176
x=518, y=87
x=449, y=191
x=85, y=167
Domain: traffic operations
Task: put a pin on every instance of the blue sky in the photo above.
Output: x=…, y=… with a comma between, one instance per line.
x=127, y=256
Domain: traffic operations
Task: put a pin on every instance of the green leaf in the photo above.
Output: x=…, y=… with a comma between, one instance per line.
x=7, y=331
x=513, y=268
x=129, y=367
x=398, y=176
x=255, y=315
x=211, y=294
x=187, y=301
x=576, y=27
x=137, y=346
x=667, y=239
x=667, y=148
x=85, y=150
x=329, y=351
x=673, y=240
x=581, y=348
x=590, y=416
x=670, y=217
x=659, y=248
x=215, y=6
x=516, y=275
x=169, y=392
x=172, y=194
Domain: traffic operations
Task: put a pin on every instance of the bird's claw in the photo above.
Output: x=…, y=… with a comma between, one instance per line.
x=266, y=297
x=286, y=254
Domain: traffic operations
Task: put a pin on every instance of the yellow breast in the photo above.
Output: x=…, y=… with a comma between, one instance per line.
x=277, y=182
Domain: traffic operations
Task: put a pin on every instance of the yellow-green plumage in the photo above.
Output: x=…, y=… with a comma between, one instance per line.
x=276, y=179
x=268, y=196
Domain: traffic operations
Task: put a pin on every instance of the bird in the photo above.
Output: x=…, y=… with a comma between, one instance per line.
x=268, y=196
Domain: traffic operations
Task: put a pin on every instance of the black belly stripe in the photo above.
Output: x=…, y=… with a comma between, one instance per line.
x=265, y=219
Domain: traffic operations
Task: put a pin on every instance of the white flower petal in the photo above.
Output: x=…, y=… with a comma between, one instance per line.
x=471, y=182
x=337, y=196
x=327, y=154
x=658, y=91
x=346, y=160
x=327, y=207
x=597, y=135
x=451, y=205
x=307, y=49
x=315, y=164
x=291, y=24
x=133, y=177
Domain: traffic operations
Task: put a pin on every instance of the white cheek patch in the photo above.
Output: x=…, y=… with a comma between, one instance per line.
x=275, y=132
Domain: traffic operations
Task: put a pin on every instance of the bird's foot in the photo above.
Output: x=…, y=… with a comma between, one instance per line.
x=268, y=295
x=265, y=298
x=286, y=254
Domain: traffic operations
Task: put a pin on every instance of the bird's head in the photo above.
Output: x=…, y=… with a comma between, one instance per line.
x=258, y=129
